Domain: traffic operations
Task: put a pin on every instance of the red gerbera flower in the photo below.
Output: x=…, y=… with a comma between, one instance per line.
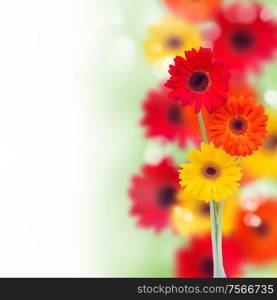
x=240, y=87
x=248, y=36
x=167, y=119
x=257, y=233
x=196, y=261
x=198, y=79
x=153, y=192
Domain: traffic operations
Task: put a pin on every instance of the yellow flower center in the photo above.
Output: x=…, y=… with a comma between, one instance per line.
x=174, y=42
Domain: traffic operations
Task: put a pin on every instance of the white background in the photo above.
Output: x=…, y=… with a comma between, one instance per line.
x=46, y=136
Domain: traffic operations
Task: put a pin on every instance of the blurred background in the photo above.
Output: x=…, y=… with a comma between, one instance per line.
x=73, y=77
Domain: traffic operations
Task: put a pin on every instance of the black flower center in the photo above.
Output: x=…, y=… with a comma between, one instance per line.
x=210, y=171
x=174, y=42
x=206, y=266
x=238, y=125
x=174, y=114
x=198, y=81
x=205, y=209
x=166, y=196
x=271, y=143
x=242, y=40
x=262, y=230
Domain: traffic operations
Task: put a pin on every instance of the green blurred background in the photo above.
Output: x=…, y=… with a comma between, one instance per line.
x=122, y=77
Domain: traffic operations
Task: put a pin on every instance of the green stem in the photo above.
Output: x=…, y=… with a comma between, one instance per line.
x=202, y=127
x=216, y=219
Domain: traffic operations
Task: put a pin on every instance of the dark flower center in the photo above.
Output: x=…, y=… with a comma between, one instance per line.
x=271, y=143
x=174, y=114
x=198, y=81
x=210, y=171
x=206, y=266
x=166, y=196
x=174, y=42
x=242, y=40
x=205, y=209
x=238, y=125
x=262, y=230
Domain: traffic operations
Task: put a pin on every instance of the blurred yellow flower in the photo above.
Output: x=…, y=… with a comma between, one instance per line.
x=170, y=38
x=192, y=217
x=264, y=162
x=212, y=174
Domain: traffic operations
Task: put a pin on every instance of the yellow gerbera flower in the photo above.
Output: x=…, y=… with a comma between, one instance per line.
x=264, y=162
x=170, y=38
x=192, y=217
x=211, y=175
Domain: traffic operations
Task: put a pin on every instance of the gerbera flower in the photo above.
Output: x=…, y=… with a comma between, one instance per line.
x=211, y=175
x=196, y=260
x=170, y=38
x=191, y=216
x=198, y=80
x=193, y=11
x=257, y=232
x=239, y=126
x=267, y=155
x=248, y=36
x=153, y=192
x=167, y=119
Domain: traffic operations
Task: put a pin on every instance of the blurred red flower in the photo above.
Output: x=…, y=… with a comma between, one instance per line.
x=247, y=36
x=257, y=233
x=153, y=192
x=167, y=119
x=193, y=11
x=240, y=87
x=198, y=80
x=196, y=260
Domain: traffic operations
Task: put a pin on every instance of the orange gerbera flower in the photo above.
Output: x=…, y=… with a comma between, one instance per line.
x=194, y=11
x=247, y=178
x=239, y=126
x=256, y=233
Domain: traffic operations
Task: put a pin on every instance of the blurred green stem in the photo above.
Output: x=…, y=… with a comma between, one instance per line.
x=219, y=240
x=216, y=220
